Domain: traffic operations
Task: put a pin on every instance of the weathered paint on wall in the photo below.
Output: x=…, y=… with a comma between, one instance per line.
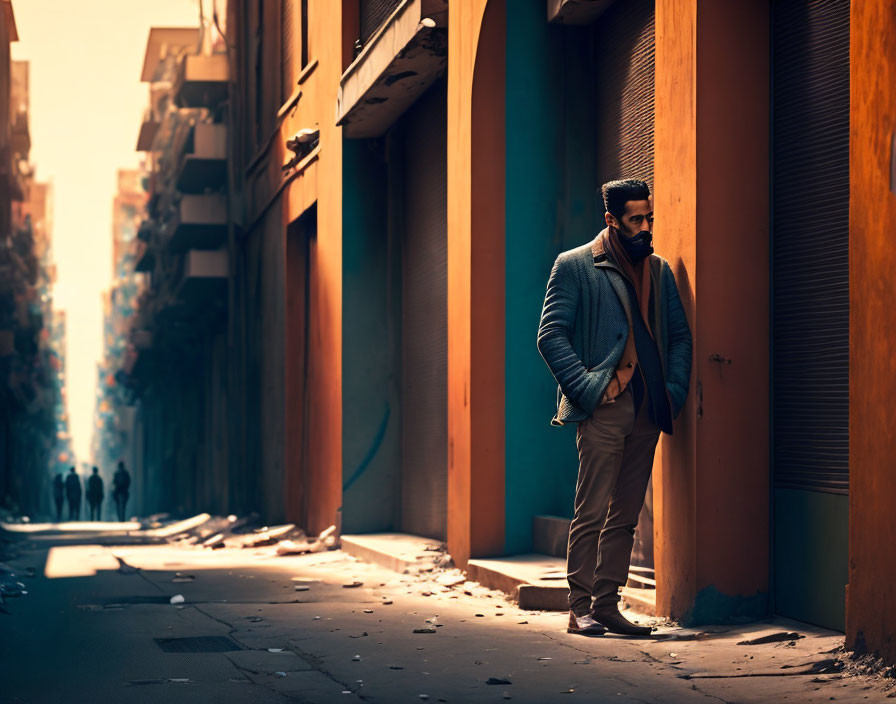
x=371, y=316
x=272, y=199
x=550, y=207
x=871, y=609
x=712, y=226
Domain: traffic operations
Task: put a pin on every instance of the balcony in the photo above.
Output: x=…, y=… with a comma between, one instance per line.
x=148, y=130
x=405, y=56
x=203, y=164
x=201, y=81
x=576, y=11
x=204, y=277
x=199, y=222
x=20, y=135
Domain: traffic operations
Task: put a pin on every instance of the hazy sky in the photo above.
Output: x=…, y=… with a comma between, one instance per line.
x=86, y=106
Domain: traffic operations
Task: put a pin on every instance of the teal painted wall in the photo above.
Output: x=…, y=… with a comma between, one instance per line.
x=550, y=207
x=371, y=307
x=811, y=556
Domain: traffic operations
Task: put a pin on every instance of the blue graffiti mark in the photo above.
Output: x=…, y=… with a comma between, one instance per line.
x=371, y=453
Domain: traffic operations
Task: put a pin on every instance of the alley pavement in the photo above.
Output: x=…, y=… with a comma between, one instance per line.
x=172, y=622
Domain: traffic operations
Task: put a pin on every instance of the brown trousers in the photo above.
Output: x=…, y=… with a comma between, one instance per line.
x=615, y=460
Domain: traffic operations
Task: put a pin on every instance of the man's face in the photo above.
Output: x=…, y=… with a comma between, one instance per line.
x=638, y=216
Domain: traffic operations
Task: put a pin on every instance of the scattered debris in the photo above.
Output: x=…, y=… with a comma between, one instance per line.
x=424, y=630
x=772, y=638
x=180, y=577
x=12, y=588
x=352, y=585
x=177, y=599
x=213, y=542
x=357, y=658
x=497, y=680
x=302, y=587
x=267, y=536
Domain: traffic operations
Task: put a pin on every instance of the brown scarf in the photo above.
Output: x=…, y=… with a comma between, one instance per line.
x=638, y=272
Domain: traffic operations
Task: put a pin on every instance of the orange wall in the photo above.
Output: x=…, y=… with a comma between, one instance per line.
x=308, y=492
x=675, y=207
x=711, y=174
x=322, y=181
x=475, y=279
x=870, y=608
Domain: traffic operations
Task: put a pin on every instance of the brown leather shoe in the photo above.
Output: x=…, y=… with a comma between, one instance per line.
x=615, y=622
x=584, y=625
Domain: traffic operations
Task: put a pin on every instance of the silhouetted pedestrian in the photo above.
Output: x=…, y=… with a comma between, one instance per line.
x=58, y=495
x=122, y=484
x=95, y=494
x=73, y=494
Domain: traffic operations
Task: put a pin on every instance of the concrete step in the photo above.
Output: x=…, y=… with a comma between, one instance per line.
x=550, y=535
x=538, y=582
x=399, y=552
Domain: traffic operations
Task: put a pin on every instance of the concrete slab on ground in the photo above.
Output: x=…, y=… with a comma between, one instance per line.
x=399, y=552
x=538, y=581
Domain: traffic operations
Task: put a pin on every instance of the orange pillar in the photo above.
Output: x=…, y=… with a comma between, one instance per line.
x=711, y=488
x=870, y=608
x=476, y=279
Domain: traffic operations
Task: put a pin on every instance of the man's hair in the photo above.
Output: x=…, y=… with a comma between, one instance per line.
x=617, y=193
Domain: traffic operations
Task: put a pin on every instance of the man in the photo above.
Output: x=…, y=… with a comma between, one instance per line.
x=58, y=495
x=73, y=494
x=95, y=494
x=614, y=335
x=122, y=484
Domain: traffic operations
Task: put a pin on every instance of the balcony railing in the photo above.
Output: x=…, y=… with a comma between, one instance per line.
x=198, y=222
x=201, y=81
x=203, y=164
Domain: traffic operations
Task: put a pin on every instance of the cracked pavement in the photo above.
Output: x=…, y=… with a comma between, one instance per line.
x=292, y=631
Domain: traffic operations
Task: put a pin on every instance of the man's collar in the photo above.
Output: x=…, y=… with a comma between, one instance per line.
x=597, y=248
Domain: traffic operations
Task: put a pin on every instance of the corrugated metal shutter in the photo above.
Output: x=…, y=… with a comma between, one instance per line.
x=287, y=44
x=424, y=482
x=810, y=244
x=624, y=74
x=373, y=14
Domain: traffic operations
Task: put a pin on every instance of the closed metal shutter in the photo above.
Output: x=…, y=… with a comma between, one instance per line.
x=624, y=62
x=424, y=483
x=810, y=244
x=373, y=14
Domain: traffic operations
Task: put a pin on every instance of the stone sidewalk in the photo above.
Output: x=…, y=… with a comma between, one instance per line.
x=97, y=625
